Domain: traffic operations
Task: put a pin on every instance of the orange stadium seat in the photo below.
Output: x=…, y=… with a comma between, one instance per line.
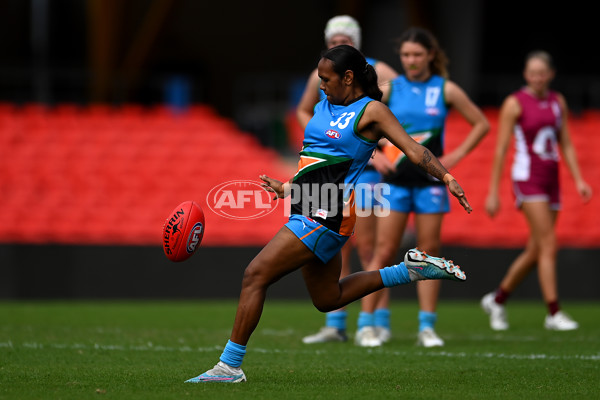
x=100, y=174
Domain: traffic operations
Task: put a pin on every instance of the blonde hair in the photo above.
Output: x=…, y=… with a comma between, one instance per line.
x=540, y=55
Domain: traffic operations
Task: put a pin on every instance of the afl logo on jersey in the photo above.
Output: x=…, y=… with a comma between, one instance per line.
x=433, y=111
x=333, y=134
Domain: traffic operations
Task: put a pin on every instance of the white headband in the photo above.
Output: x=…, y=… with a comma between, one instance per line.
x=343, y=25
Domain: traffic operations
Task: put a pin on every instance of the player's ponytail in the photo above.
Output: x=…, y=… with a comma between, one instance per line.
x=369, y=83
x=346, y=58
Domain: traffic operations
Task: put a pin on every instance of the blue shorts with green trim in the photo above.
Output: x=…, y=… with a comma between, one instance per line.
x=322, y=241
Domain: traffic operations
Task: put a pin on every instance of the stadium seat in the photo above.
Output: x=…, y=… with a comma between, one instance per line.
x=101, y=174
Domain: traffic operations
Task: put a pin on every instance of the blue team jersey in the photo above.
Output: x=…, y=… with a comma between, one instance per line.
x=333, y=152
x=421, y=109
x=322, y=96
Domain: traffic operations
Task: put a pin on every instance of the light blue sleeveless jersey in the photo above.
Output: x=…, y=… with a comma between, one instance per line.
x=421, y=109
x=333, y=152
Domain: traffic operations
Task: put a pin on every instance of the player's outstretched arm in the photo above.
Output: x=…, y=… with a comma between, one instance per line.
x=388, y=125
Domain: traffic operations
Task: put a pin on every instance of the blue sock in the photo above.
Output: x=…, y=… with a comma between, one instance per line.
x=336, y=319
x=233, y=354
x=427, y=320
x=382, y=317
x=394, y=275
x=365, y=319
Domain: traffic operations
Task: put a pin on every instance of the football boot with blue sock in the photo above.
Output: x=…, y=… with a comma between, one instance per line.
x=418, y=266
x=228, y=369
x=427, y=336
x=422, y=266
x=220, y=373
x=382, y=324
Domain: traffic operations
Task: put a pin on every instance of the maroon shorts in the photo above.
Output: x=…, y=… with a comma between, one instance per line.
x=526, y=191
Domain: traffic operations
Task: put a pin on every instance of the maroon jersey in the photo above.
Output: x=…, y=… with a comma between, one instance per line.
x=536, y=138
x=535, y=166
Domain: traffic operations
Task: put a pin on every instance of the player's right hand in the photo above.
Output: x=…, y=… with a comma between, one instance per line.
x=273, y=186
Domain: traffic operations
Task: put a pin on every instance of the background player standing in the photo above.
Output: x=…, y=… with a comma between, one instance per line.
x=537, y=116
x=420, y=99
x=343, y=29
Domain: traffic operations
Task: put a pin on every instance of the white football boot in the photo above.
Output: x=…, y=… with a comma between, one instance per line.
x=220, y=373
x=560, y=322
x=428, y=338
x=367, y=337
x=326, y=334
x=497, y=313
x=421, y=265
x=384, y=334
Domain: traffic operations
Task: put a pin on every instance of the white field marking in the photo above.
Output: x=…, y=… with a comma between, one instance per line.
x=491, y=337
x=589, y=357
x=503, y=337
x=279, y=332
x=151, y=347
x=115, y=347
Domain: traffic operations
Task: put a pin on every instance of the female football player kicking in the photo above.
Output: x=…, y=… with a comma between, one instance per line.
x=338, y=142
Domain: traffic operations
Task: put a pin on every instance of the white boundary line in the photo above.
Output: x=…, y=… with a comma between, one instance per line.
x=151, y=347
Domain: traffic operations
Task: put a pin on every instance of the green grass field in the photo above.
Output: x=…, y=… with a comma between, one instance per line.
x=145, y=350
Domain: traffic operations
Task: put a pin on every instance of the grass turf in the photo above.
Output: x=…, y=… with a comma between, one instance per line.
x=145, y=350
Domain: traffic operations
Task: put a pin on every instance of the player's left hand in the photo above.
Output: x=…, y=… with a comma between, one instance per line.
x=584, y=190
x=381, y=163
x=459, y=193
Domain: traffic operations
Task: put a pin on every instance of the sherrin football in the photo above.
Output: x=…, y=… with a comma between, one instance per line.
x=183, y=231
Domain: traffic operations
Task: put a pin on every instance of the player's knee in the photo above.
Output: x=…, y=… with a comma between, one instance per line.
x=365, y=255
x=325, y=307
x=548, y=242
x=325, y=303
x=531, y=252
x=255, y=275
x=383, y=258
x=548, y=250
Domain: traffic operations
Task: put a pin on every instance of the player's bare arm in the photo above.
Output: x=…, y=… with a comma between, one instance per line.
x=309, y=98
x=460, y=101
x=379, y=121
x=509, y=113
x=570, y=154
x=385, y=74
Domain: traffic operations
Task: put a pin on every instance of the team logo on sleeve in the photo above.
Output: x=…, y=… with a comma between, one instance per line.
x=333, y=134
